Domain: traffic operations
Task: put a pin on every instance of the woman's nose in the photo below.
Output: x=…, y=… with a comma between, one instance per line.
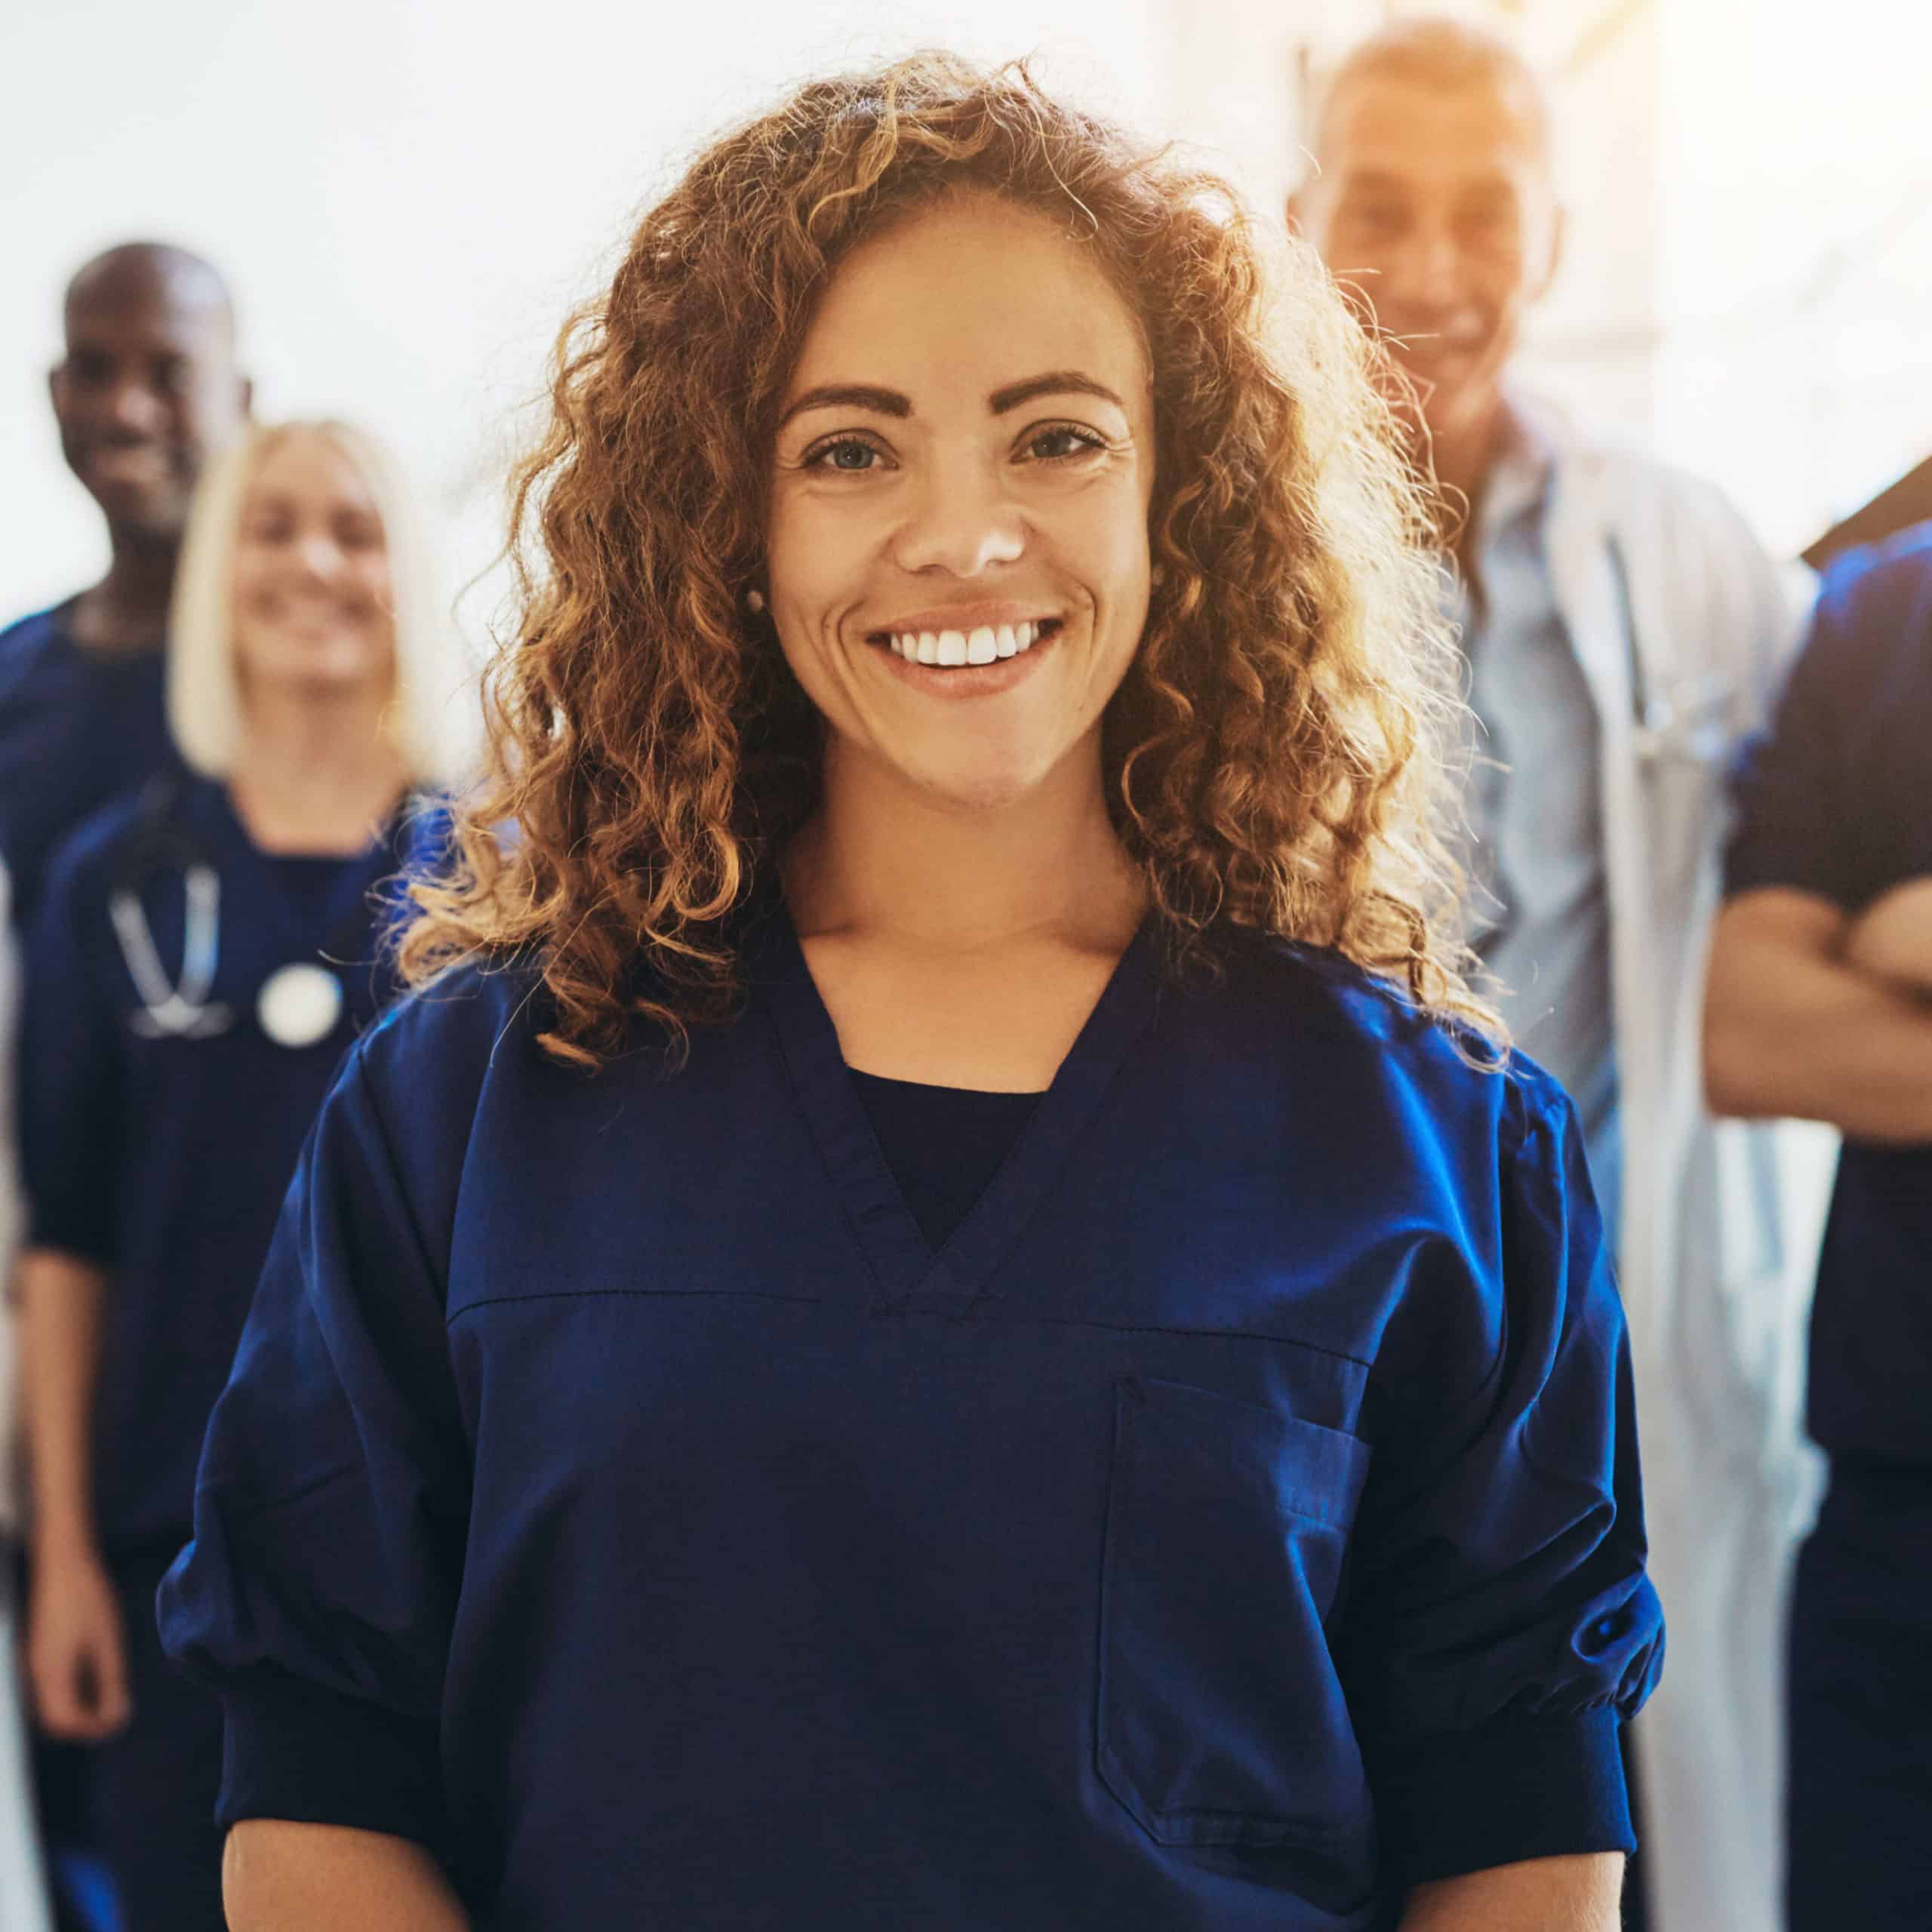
x=317, y=556
x=961, y=520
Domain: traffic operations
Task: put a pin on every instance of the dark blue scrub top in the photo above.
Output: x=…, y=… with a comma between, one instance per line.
x=76, y=728
x=1837, y=801
x=1237, y=1520
x=163, y=1160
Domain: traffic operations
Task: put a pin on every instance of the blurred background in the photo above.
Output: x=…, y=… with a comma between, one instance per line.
x=407, y=198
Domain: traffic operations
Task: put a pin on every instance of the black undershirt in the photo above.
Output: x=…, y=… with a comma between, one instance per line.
x=943, y=1144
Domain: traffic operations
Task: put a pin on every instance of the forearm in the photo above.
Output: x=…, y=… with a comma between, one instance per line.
x=63, y=1299
x=1790, y=1028
x=277, y=1876
x=1892, y=939
x=1574, y=1894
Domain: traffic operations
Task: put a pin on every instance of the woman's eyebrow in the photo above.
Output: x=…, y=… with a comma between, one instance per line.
x=895, y=402
x=849, y=395
x=1058, y=382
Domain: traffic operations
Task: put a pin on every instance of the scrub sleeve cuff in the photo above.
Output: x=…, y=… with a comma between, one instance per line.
x=1519, y=1787
x=292, y=1750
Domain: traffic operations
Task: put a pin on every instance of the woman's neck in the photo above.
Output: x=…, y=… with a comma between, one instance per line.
x=882, y=859
x=315, y=775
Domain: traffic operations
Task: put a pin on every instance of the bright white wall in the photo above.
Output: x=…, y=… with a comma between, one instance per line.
x=1796, y=248
x=406, y=194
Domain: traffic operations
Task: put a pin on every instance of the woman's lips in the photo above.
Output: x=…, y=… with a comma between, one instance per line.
x=950, y=648
x=313, y=618
x=968, y=679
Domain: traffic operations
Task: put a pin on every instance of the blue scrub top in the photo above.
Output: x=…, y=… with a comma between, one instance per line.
x=1237, y=1520
x=163, y=1160
x=1836, y=800
x=76, y=728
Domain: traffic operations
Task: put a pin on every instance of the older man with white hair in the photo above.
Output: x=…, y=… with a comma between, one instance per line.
x=1624, y=631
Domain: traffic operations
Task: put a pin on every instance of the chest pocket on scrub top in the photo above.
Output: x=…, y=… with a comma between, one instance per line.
x=1221, y=1719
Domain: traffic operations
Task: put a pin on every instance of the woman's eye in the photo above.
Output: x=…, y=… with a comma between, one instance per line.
x=358, y=534
x=846, y=452
x=1061, y=441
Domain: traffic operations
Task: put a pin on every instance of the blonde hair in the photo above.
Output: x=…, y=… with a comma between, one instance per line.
x=426, y=722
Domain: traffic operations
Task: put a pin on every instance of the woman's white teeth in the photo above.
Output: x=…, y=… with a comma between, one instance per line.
x=982, y=646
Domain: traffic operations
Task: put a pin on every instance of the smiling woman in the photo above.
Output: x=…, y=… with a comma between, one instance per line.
x=911, y=1330
x=304, y=582
x=206, y=949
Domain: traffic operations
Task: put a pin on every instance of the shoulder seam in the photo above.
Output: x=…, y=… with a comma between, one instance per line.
x=378, y=1114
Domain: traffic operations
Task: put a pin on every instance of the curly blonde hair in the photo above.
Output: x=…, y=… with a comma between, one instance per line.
x=1270, y=756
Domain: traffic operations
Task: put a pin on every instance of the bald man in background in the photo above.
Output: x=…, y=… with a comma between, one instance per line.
x=1624, y=632
x=146, y=391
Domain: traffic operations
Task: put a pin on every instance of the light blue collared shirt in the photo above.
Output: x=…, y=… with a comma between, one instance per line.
x=1536, y=847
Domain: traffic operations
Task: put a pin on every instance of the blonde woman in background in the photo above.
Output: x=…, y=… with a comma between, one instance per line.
x=204, y=952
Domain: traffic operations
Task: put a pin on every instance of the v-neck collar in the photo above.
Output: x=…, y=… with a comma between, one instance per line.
x=907, y=1272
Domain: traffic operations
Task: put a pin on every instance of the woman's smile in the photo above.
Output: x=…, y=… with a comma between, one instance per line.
x=980, y=644
x=965, y=653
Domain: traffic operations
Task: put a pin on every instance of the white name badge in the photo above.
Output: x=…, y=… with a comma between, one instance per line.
x=299, y=1004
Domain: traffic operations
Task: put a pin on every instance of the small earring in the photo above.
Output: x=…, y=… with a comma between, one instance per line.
x=1158, y=575
x=755, y=602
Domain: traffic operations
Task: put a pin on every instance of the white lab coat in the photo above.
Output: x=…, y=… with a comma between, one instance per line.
x=1683, y=626
x=22, y=1890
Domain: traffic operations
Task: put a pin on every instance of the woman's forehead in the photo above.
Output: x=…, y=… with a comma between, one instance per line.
x=971, y=296
x=304, y=464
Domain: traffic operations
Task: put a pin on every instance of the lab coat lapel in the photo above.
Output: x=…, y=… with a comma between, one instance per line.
x=1577, y=528
x=1577, y=524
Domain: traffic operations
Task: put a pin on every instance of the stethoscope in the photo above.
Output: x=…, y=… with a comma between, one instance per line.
x=299, y=1004
x=1661, y=729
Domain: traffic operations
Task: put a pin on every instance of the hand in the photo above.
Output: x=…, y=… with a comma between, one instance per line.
x=77, y=1654
x=1574, y=1892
